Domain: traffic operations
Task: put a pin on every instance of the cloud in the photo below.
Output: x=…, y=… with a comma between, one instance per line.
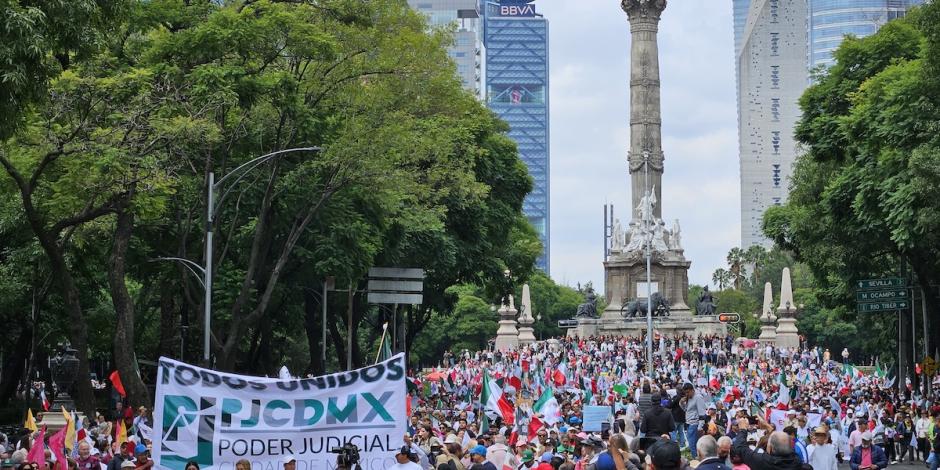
x=589, y=57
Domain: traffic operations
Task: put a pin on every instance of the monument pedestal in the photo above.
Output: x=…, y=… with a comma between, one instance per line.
x=787, y=334
x=507, y=336
x=625, y=274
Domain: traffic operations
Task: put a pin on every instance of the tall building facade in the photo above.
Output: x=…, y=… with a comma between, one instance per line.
x=777, y=44
x=467, y=50
x=772, y=74
x=516, y=89
x=831, y=20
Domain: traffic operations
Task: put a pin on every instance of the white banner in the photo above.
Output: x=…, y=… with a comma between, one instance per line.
x=778, y=419
x=216, y=418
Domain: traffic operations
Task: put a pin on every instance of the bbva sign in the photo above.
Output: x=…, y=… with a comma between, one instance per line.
x=516, y=8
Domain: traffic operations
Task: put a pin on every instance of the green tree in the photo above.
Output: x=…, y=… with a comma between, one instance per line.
x=864, y=195
x=721, y=277
x=736, y=266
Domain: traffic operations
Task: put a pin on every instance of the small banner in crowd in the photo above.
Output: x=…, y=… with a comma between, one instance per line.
x=216, y=418
x=595, y=417
x=778, y=418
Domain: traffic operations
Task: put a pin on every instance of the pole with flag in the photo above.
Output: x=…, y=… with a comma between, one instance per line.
x=385, y=349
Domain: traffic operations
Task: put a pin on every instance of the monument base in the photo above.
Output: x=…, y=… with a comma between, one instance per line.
x=787, y=334
x=677, y=323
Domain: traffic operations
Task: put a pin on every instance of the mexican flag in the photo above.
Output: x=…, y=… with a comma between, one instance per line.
x=548, y=407
x=493, y=400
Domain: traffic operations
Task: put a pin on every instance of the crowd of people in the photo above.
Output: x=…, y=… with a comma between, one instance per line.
x=706, y=402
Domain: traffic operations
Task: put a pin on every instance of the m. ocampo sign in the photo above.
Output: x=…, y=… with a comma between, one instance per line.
x=215, y=418
x=516, y=8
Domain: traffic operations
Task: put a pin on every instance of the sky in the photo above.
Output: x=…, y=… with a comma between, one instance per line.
x=589, y=46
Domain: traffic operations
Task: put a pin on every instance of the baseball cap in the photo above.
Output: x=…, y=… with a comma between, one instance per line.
x=821, y=430
x=127, y=464
x=479, y=450
x=528, y=456
x=866, y=436
x=434, y=442
x=288, y=459
x=450, y=439
x=7, y=463
x=406, y=450
x=140, y=449
x=546, y=457
x=664, y=454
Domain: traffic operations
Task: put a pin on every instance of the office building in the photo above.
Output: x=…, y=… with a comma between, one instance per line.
x=831, y=20
x=772, y=74
x=467, y=50
x=777, y=44
x=516, y=43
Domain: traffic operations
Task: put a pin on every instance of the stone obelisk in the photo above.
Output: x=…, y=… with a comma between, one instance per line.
x=645, y=117
x=787, y=334
x=526, y=332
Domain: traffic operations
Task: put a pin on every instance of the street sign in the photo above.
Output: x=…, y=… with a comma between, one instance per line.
x=885, y=283
x=396, y=286
x=729, y=317
x=883, y=306
x=881, y=295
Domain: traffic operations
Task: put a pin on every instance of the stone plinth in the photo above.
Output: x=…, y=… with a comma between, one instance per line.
x=676, y=324
x=526, y=332
x=507, y=336
x=624, y=272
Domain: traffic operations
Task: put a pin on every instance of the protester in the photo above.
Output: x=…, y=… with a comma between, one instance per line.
x=822, y=454
x=868, y=456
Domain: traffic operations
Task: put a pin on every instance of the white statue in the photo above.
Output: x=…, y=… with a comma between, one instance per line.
x=659, y=237
x=637, y=237
x=676, y=238
x=617, y=236
x=646, y=205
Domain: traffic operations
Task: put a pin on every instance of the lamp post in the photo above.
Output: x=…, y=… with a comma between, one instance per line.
x=538, y=318
x=648, y=251
x=204, y=272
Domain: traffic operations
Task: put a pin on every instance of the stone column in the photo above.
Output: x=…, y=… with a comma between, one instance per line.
x=526, y=332
x=645, y=114
x=768, y=332
x=507, y=336
x=787, y=334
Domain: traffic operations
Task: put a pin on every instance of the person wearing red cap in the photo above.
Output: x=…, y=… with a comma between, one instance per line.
x=119, y=458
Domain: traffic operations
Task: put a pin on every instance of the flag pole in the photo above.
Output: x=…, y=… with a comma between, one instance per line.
x=381, y=343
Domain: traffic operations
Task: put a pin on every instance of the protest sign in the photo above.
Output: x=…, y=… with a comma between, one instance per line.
x=216, y=418
x=778, y=419
x=595, y=417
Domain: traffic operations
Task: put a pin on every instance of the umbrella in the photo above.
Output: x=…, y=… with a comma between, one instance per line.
x=436, y=375
x=749, y=343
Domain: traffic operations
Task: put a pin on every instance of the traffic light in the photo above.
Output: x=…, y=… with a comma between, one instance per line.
x=729, y=317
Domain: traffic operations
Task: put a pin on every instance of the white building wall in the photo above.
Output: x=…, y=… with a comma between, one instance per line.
x=772, y=74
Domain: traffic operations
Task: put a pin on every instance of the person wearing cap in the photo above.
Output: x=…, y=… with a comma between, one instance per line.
x=658, y=420
x=664, y=455
x=822, y=454
x=855, y=438
x=478, y=457
x=127, y=464
x=867, y=456
x=289, y=462
x=142, y=460
x=403, y=460
x=124, y=453
x=526, y=460
x=778, y=453
x=545, y=462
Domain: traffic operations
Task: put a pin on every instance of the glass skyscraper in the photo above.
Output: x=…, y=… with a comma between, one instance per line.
x=516, y=43
x=831, y=20
x=467, y=50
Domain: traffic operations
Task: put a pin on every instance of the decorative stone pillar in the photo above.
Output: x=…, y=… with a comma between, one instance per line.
x=507, y=336
x=768, y=333
x=526, y=332
x=787, y=334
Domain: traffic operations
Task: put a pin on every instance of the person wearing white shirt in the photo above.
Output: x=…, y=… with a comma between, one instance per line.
x=822, y=454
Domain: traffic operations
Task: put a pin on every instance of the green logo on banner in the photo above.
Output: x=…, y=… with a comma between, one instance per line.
x=187, y=431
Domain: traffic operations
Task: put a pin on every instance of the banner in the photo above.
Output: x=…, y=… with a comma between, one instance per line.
x=216, y=418
x=778, y=419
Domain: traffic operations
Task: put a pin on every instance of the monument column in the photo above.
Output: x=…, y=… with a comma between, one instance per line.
x=645, y=117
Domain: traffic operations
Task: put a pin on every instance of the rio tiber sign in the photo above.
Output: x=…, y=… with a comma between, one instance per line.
x=516, y=8
x=216, y=418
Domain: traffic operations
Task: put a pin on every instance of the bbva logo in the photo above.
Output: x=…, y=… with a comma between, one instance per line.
x=187, y=431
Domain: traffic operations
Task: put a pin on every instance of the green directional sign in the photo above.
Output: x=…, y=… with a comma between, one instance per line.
x=886, y=283
x=883, y=306
x=881, y=295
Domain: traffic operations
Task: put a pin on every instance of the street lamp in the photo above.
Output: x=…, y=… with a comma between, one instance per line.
x=648, y=251
x=204, y=273
x=538, y=318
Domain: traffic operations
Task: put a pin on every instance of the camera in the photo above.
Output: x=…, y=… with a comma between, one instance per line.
x=347, y=456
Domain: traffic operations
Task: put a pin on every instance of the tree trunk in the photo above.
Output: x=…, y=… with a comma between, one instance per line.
x=124, y=347
x=339, y=342
x=312, y=313
x=14, y=366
